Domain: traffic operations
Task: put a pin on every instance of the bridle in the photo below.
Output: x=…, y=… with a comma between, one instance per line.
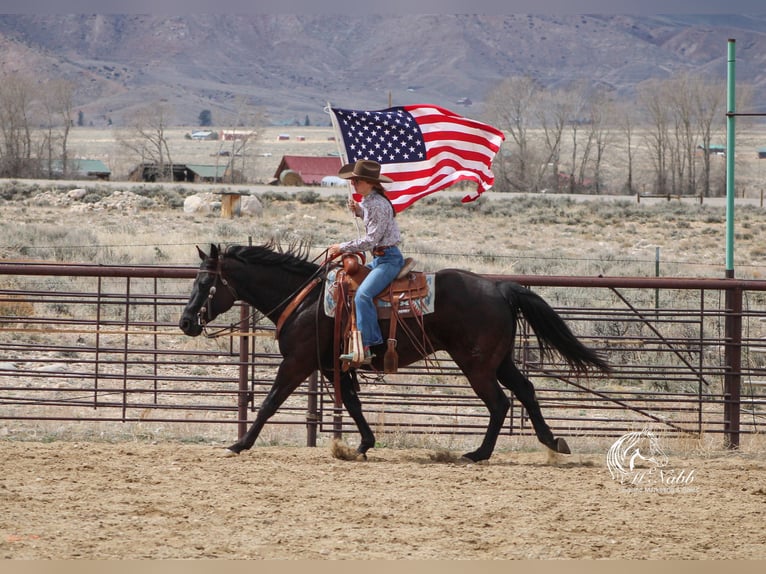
x=204, y=315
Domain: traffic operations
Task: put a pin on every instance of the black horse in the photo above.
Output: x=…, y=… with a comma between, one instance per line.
x=474, y=320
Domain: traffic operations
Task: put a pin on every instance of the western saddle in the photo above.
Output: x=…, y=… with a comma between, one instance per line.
x=398, y=301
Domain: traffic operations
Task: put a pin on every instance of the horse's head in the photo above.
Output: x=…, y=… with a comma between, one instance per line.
x=211, y=294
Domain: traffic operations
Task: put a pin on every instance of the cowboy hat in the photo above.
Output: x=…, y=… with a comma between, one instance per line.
x=364, y=169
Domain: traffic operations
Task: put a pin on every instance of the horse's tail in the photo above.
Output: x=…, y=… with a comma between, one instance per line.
x=553, y=334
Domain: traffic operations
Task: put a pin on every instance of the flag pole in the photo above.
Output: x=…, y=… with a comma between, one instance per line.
x=343, y=158
x=336, y=131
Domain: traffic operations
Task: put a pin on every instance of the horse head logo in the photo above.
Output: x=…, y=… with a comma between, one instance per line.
x=632, y=454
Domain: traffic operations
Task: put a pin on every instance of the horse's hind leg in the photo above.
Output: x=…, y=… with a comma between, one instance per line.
x=486, y=388
x=510, y=376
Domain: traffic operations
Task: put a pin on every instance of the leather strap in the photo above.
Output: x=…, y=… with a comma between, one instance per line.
x=394, y=314
x=292, y=305
x=340, y=309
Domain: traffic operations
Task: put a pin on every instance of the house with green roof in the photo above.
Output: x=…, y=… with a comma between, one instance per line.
x=78, y=168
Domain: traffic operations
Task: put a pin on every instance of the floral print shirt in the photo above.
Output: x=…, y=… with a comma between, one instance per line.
x=379, y=224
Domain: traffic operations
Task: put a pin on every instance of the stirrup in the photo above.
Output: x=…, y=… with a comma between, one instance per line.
x=368, y=357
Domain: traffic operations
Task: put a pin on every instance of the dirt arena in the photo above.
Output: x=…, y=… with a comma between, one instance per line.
x=134, y=500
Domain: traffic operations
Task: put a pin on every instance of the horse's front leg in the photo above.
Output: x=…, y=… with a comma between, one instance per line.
x=288, y=378
x=350, y=397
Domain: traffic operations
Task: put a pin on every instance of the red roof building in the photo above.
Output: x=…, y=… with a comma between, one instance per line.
x=306, y=170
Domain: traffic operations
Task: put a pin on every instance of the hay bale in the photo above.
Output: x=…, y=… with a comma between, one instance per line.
x=290, y=177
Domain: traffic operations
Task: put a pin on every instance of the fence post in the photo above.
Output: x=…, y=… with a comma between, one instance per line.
x=312, y=413
x=732, y=379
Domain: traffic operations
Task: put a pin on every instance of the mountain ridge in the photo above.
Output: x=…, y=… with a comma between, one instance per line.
x=289, y=66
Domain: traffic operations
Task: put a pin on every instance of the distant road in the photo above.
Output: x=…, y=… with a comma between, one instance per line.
x=257, y=189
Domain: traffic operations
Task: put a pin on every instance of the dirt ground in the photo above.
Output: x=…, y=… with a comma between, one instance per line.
x=134, y=500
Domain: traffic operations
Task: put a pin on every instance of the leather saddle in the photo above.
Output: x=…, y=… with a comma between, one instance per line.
x=402, y=295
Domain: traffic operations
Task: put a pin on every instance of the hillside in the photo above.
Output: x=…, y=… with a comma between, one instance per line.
x=289, y=66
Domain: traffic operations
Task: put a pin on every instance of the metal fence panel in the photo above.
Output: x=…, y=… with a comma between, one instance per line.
x=99, y=344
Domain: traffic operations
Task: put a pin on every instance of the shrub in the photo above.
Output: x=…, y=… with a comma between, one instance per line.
x=307, y=197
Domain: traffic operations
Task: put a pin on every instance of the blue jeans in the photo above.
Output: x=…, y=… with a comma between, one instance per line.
x=384, y=270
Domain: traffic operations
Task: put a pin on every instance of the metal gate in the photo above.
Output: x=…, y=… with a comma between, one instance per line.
x=93, y=344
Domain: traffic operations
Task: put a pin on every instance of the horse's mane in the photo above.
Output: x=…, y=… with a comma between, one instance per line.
x=293, y=258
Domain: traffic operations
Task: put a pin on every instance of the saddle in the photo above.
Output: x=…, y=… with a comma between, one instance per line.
x=407, y=296
x=401, y=299
x=403, y=294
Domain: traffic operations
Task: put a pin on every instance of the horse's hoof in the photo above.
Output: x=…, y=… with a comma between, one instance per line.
x=562, y=446
x=228, y=453
x=470, y=457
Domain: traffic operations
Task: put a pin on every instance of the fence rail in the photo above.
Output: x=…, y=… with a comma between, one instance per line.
x=96, y=344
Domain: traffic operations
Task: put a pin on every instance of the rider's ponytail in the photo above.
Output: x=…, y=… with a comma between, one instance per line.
x=382, y=192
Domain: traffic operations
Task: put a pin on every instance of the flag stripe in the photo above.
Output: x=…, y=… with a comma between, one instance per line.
x=423, y=148
x=429, y=171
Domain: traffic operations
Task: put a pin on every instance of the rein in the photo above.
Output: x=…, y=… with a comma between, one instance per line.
x=291, y=301
x=232, y=329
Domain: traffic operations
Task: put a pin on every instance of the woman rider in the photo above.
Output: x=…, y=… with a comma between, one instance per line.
x=381, y=237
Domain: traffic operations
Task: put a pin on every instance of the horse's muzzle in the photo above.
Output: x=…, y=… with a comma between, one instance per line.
x=190, y=325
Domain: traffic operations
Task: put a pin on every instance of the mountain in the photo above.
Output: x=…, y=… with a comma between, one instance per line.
x=289, y=66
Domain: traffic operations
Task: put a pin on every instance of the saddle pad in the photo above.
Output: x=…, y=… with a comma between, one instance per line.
x=424, y=304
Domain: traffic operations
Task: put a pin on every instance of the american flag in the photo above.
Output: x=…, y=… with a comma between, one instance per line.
x=423, y=148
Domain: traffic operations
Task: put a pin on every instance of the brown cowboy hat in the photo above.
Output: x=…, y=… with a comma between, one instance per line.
x=364, y=169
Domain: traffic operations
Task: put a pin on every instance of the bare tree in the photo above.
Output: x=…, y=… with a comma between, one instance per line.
x=682, y=93
x=242, y=139
x=578, y=98
x=654, y=101
x=16, y=142
x=146, y=137
x=553, y=116
x=512, y=107
x=589, y=134
x=600, y=113
x=709, y=111
x=685, y=113
x=57, y=103
x=626, y=122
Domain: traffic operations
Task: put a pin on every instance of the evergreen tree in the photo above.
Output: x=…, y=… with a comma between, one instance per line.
x=205, y=118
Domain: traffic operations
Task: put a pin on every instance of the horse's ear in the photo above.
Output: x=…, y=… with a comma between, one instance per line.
x=202, y=254
x=214, y=251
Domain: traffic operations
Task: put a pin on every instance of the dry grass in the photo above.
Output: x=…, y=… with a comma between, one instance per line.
x=521, y=234
x=516, y=235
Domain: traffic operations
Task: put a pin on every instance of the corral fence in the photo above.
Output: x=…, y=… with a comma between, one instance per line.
x=95, y=344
